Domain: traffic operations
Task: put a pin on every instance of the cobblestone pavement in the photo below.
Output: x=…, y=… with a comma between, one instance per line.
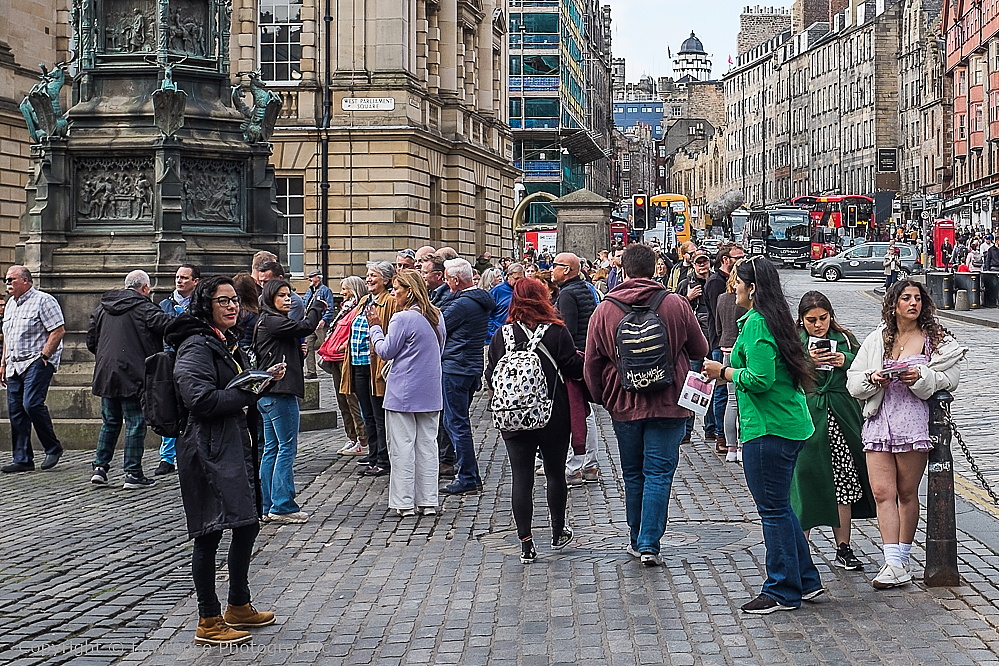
x=100, y=575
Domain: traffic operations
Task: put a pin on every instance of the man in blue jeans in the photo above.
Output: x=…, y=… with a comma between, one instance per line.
x=466, y=317
x=33, y=328
x=648, y=425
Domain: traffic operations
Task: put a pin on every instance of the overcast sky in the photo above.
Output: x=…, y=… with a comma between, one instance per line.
x=643, y=29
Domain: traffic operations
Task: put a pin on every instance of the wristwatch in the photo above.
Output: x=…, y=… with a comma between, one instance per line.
x=45, y=356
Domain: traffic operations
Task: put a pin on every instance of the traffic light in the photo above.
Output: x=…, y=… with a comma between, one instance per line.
x=640, y=212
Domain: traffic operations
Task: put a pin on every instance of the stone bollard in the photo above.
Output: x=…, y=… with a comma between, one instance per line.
x=961, y=301
x=941, y=523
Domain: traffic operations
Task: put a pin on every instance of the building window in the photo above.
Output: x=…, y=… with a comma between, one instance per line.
x=281, y=40
x=291, y=203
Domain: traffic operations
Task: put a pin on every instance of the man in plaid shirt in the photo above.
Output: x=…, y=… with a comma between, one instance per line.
x=33, y=328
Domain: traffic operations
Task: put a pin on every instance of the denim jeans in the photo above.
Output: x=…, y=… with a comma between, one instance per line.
x=168, y=450
x=709, y=418
x=113, y=412
x=718, y=399
x=277, y=478
x=650, y=451
x=458, y=392
x=769, y=464
x=26, y=395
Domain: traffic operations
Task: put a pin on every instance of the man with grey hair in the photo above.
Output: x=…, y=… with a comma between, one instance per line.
x=466, y=318
x=124, y=330
x=33, y=328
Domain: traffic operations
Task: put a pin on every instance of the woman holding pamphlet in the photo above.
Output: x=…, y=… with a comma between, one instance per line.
x=771, y=373
x=907, y=359
x=830, y=485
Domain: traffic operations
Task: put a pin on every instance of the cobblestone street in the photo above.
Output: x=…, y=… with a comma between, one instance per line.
x=101, y=575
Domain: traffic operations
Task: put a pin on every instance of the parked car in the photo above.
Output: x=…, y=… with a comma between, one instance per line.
x=863, y=261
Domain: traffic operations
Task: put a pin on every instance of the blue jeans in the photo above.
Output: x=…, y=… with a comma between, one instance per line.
x=168, y=450
x=458, y=392
x=719, y=398
x=114, y=411
x=26, y=395
x=650, y=451
x=769, y=464
x=277, y=478
x=709, y=418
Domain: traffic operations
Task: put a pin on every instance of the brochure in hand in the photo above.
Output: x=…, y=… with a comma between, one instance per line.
x=254, y=381
x=695, y=394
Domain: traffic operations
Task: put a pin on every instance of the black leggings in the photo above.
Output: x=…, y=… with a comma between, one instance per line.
x=203, y=568
x=373, y=414
x=522, y=447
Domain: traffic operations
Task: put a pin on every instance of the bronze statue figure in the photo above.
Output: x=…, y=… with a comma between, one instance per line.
x=261, y=118
x=41, y=109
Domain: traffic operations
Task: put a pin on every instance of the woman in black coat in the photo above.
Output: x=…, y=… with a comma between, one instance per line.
x=214, y=458
x=278, y=339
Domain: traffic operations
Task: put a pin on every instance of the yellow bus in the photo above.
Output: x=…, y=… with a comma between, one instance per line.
x=672, y=211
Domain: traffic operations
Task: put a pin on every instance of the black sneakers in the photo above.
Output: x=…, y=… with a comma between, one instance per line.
x=560, y=541
x=764, y=605
x=100, y=477
x=527, y=552
x=164, y=468
x=845, y=559
x=135, y=482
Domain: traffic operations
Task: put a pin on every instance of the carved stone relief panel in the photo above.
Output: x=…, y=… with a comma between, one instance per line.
x=188, y=29
x=114, y=190
x=129, y=26
x=212, y=191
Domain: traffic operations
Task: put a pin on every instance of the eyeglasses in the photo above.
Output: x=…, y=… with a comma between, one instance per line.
x=565, y=266
x=226, y=301
x=701, y=260
x=9, y=280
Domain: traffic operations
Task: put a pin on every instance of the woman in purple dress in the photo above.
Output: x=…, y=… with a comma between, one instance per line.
x=907, y=359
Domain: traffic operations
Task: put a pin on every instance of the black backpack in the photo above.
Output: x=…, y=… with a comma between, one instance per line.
x=161, y=406
x=645, y=360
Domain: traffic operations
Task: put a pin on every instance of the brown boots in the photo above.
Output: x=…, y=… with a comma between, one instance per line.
x=247, y=616
x=225, y=630
x=215, y=631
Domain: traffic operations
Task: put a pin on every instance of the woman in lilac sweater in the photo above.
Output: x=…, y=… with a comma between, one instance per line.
x=413, y=396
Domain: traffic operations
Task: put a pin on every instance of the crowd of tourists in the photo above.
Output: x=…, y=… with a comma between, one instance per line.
x=827, y=429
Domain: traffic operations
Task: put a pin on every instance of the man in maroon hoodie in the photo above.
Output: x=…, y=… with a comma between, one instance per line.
x=649, y=426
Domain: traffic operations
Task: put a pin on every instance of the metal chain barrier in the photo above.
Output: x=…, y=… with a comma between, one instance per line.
x=967, y=454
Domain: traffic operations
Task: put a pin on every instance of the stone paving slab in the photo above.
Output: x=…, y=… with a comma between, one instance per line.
x=101, y=575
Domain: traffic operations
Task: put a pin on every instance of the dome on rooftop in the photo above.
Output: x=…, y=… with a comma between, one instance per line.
x=692, y=45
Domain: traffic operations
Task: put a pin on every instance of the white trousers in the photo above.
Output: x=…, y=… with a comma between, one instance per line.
x=574, y=463
x=412, y=449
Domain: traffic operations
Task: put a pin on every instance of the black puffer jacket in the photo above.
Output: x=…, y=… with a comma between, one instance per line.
x=124, y=330
x=576, y=305
x=278, y=339
x=214, y=458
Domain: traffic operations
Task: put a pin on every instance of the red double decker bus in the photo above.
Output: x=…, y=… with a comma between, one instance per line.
x=830, y=214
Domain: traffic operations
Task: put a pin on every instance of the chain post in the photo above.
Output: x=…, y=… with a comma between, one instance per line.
x=941, y=523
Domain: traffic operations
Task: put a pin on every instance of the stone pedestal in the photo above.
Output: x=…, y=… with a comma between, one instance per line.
x=583, y=223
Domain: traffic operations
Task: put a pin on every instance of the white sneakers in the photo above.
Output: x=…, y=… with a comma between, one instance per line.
x=353, y=449
x=891, y=576
x=295, y=517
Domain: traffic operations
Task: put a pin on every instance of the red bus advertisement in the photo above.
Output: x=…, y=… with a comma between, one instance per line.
x=830, y=214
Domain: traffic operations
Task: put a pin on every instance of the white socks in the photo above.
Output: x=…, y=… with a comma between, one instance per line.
x=897, y=554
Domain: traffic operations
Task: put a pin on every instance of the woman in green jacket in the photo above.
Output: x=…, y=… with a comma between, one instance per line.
x=770, y=373
x=830, y=485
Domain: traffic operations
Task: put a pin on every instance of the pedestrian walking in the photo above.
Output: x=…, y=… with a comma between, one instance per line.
x=727, y=315
x=333, y=360
x=214, y=458
x=534, y=326
x=33, y=328
x=466, y=316
x=367, y=373
x=124, y=330
x=830, y=484
x=770, y=373
x=649, y=424
x=277, y=340
x=413, y=396
x=185, y=280
x=892, y=264
x=317, y=290
x=907, y=359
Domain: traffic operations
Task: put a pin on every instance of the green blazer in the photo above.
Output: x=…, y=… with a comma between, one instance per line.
x=813, y=493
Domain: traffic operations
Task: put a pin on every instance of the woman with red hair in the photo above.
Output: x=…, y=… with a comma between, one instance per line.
x=533, y=324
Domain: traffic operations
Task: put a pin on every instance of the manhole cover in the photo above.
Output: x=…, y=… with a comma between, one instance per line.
x=683, y=541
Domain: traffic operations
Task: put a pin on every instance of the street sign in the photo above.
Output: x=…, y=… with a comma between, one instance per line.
x=367, y=103
x=925, y=215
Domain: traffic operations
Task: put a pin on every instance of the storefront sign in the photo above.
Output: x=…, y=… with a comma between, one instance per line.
x=887, y=160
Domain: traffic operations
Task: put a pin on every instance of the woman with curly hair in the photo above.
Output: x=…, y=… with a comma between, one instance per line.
x=907, y=359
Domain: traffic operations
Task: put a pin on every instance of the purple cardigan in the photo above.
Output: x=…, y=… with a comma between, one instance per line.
x=414, y=383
